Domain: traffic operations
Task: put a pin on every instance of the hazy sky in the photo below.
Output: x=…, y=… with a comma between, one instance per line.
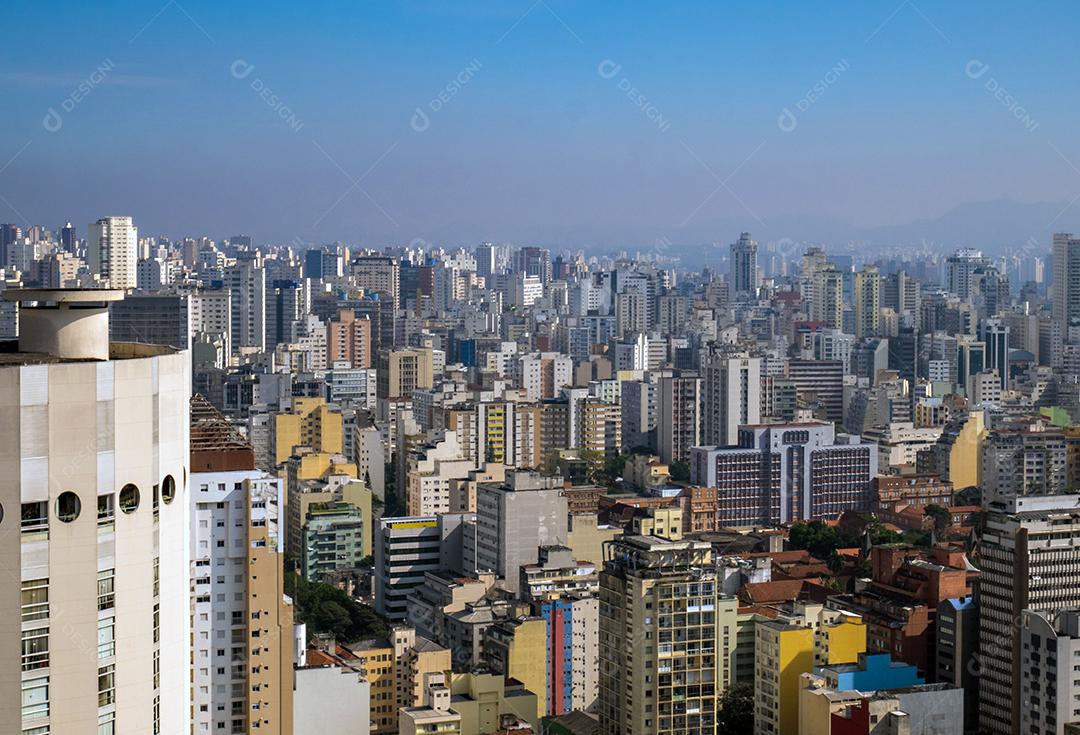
x=570, y=121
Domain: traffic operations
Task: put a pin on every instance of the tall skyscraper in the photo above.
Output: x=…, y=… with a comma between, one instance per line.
x=744, y=267
x=827, y=305
x=1028, y=555
x=996, y=339
x=667, y=637
x=678, y=417
x=1065, y=301
x=9, y=234
x=485, y=262
x=379, y=273
x=112, y=251
x=241, y=620
x=246, y=281
x=732, y=388
x=867, y=302
x=95, y=503
x=960, y=271
x=68, y=240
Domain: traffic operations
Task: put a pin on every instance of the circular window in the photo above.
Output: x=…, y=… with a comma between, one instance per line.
x=129, y=498
x=68, y=506
x=168, y=489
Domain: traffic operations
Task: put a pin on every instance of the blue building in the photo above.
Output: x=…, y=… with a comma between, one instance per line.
x=872, y=672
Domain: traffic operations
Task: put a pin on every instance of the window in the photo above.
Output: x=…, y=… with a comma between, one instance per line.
x=106, y=637
x=68, y=506
x=106, y=510
x=105, y=589
x=35, y=649
x=35, y=600
x=35, y=698
x=106, y=684
x=168, y=489
x=129, y=498
x=106, y=723
x=35, y=517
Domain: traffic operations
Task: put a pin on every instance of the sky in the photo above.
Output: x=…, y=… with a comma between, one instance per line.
x=582, y=123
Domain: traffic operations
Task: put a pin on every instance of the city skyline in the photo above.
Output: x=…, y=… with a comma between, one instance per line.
x=549, y=122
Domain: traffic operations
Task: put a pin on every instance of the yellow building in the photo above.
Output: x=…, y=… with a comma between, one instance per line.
x=375, y=659
x=965, y=456
x=400, y=372
x=309, y=423
x=663, y=522
x=790, y=646
x=666, y=629
x=518, y=649
x=586, y=537
x=416, y=660
x=493, y=421
x=397, y=671
x=481, y=700
x=328, y=472
x=334, y=489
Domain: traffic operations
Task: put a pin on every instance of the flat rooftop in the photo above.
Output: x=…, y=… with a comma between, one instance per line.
x=10, y=355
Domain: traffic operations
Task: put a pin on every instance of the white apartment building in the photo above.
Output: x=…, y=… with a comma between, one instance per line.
x=225, y=507
x=112, y=251
x=94, y=525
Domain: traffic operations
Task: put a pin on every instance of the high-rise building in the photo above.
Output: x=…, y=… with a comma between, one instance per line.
x=9, y=235
x=112, y=251
x=996, y=338
x=867, y=302
x=667, y=637
x=678, y=421
x=485, y=262
x=400, y=372
x=157, y=319
x=783, y=473
x=960, y=271
x=246, y=282
x=242, y=677
x=573, y=638
x=732, y=387
x=1028, y=553
x=827, y=304
x=1024, y=462
x=349, y=339
x=95, y=501
x=513, y=520
x=68, y=240
x=745, y=278
x=379, y=273
x=1050, y=649
x=405, y=549
x=1065, y=301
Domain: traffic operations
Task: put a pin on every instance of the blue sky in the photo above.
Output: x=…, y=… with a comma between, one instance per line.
x=562, y=121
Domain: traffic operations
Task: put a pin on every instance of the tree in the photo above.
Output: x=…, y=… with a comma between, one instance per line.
x=327, y=609
x=941, y=515
x=735, y=714
x=680, y=471
x=819, y=539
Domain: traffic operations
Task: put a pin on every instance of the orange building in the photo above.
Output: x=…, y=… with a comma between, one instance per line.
x=348, y=339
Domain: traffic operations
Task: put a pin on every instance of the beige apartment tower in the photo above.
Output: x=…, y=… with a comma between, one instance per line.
x=667, y=637
x=94, y=619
